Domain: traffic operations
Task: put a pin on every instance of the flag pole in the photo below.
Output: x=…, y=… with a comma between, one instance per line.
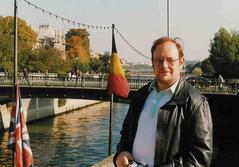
x=15, y=63
x=110, y=124
x=111, y=105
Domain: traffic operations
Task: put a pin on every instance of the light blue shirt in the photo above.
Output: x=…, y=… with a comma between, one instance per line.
x=144, y=142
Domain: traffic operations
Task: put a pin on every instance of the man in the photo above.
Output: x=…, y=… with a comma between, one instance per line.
x=169, y=122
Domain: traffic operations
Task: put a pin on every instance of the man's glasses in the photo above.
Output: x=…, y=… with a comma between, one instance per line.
x=133, y=163
x=169, y=61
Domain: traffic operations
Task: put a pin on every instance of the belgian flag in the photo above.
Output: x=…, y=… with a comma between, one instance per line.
x=117, y=82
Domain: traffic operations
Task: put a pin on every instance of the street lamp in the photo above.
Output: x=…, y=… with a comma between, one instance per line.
x=168, y=18
x=77, y=73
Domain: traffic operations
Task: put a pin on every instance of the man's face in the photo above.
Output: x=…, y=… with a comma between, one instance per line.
x=167, y=64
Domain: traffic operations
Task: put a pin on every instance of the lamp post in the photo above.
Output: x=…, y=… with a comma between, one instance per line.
x=15, y=43
x=77, y=73
x=168, y=18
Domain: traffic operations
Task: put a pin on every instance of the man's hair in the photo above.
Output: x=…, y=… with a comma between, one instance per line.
x=164, y=40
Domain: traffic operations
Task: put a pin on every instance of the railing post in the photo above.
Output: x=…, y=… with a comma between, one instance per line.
x=46, y=81
x=236, y=88
x=101, y=80
x=65, y=81
x=83, y=80
x=29, y=80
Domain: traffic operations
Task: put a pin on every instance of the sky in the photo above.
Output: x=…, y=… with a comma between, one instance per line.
x=139, y=21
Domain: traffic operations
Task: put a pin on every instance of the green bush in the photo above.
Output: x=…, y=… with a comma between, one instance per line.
x=61, y=102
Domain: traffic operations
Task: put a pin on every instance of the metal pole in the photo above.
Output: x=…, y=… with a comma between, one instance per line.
x=168, y=18
x=110, y=124
x=15, y=64
x=111, y=100
x=15, y=44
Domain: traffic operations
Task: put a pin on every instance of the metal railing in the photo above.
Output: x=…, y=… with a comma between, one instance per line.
x=86, y=81
x=100, y=82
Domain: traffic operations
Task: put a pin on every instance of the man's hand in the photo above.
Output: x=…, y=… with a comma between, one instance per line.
x=123, y=159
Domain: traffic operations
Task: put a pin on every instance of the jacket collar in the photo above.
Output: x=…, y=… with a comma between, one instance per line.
x=153, y=85
x=179, y=97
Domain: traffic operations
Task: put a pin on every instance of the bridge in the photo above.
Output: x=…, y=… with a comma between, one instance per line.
x=223, y=101
x=88, y=87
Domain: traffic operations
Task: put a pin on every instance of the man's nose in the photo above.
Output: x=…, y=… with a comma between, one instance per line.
x=164, y=63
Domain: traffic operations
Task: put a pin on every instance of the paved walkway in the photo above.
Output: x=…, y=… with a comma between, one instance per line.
x=108, y=162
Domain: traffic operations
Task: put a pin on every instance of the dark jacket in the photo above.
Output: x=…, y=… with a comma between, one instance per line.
x=184, y=129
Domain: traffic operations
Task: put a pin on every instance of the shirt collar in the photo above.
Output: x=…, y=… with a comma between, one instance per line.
x=153, y=85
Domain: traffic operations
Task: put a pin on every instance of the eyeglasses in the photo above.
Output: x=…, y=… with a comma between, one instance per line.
x=169, y=61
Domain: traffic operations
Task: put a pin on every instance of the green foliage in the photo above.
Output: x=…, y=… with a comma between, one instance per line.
x=207, y=68
x=198, y=64
x=26, y=40
x=194, y=68
x=96, y=65
x=189, y=68
x=83, y=67
x=41, y=60
x=105, y=59
x=224, y=53
x=61, y=102
x=197, y=71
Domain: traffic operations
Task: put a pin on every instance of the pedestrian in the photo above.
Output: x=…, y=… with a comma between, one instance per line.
x=46, y=75
x=69, y=76
x=25, y=74
x=5, y=74
x=220, y=82
x=169, y=121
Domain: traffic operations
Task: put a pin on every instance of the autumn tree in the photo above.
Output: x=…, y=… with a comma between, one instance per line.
x=77, y=45
x=26, y=40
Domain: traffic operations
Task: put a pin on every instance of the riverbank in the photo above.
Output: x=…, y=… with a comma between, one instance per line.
x=37, y=108
x=107, y=162
x=76, y=138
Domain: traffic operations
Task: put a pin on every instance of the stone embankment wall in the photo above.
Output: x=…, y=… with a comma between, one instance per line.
x=37, y=108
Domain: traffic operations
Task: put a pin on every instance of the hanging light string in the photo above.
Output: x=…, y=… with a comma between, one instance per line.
x=88, y=26
x=130, y=45
x=67, y=20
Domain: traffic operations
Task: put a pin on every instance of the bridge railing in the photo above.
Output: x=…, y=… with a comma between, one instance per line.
x=83, y=81
x=87, y=81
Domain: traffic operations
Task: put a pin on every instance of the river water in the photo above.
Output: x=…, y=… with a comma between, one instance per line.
x=77, y=138
x=80, y=139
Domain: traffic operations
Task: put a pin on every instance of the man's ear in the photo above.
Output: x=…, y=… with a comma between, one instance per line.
x=152, y=63
x=182, y=62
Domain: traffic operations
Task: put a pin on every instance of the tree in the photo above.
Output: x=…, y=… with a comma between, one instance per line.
x=77, y=45
x=105, y=59
x=224, y=53
x=189, y=68
x=197, y=71
x=83, y=67
x=26, y=40
x=207, y=68
x=96, y=65
x=42, y=60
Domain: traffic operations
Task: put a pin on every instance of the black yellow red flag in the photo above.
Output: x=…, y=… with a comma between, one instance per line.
x=117, y=82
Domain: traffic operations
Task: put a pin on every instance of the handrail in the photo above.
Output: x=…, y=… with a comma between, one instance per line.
x=100, y=81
